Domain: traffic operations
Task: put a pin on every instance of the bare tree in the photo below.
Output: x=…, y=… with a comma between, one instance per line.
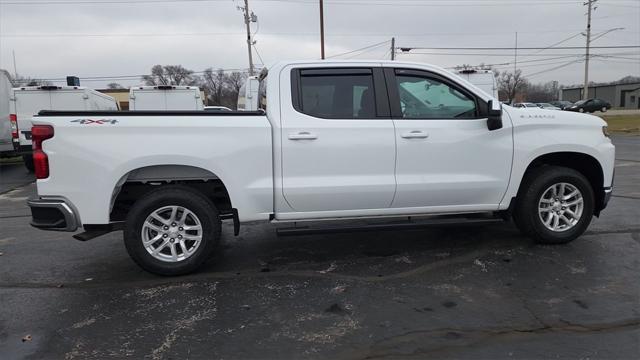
x=114, y=85
x=235, y=80
x=510, y=84
x=18, y=81
x=215, y=82
x=170, y=75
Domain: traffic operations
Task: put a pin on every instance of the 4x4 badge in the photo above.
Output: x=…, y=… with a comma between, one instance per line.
x=97, y=121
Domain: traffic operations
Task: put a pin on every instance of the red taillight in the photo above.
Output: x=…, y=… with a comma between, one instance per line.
x=40, y=133
x=13, y=119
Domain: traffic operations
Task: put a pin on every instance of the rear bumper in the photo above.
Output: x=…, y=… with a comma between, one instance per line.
x=53, y=214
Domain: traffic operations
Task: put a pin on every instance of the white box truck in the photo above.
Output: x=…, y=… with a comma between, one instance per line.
x=6, y=126
x=484, y=79
x=165, y=97
x=25, y=102
x=248, y=94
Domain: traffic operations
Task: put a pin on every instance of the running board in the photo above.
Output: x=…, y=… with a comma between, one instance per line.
x=404, y=225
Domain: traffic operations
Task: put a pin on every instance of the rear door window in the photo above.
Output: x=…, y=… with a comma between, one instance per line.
x=343, y=94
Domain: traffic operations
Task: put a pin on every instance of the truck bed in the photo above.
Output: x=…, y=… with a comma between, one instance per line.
x=93, y=153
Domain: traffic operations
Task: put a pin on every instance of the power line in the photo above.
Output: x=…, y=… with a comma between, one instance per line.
x=405, y=49
x=360, y=49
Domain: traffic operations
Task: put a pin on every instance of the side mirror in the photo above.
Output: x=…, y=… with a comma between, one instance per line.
x=494, y=120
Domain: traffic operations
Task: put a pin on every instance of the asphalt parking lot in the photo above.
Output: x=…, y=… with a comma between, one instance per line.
x=449, y=292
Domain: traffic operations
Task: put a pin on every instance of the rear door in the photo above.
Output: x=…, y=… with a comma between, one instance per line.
x=447, y=159
x=338, y=145
x=182, y=99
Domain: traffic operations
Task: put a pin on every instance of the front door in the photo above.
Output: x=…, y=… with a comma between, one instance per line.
x=447, y=159
x=338, y=145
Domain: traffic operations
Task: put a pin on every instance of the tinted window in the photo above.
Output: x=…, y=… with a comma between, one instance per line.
x=333, y=96
x=426, y=98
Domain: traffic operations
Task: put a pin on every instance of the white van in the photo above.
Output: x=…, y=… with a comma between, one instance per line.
x=248, y=94
x=484, y=79
x=6, y=126
x=28, y=101
x=165, y=97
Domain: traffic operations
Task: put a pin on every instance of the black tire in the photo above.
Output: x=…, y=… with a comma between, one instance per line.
x=581, y=110
x=604, y=109
x=28, y=162
x=533, y=186
x=172, y=195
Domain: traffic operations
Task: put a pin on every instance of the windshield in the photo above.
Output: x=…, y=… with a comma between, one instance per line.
x=580, y=102
x=530, y=105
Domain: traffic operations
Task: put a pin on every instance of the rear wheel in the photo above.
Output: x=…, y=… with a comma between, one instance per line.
x=28, y=162
x=172, y=230
x=555, y=206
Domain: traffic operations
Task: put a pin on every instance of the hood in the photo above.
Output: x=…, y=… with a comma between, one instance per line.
x=528, y=116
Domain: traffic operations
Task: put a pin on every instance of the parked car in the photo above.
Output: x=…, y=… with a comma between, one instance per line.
x=547, y=106
x=335, y=140
x=165, y=97
x=590, y=105
x=562, y=104
x=28, y=101
x=217, y=108
x=525, y=105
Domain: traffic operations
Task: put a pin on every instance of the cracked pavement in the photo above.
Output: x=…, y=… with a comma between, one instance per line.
x=463, y=292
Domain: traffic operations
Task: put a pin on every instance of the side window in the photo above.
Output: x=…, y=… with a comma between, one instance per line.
x=341, y=95
x=429, y=98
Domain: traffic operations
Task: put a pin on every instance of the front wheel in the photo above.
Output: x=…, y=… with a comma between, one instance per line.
x=555, y=205
x=581, y=110
x=604, y=109
x=172, y=230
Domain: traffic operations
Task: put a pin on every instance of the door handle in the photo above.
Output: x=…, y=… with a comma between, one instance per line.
x=415, y=134
x=303, y=135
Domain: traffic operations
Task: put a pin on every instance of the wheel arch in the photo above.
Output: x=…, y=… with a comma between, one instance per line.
x=135, y=183
x=584, y=163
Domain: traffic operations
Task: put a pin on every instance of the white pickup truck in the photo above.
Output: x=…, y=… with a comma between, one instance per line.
x=333, y=141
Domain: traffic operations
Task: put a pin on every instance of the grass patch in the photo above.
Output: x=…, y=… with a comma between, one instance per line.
x=628, y=124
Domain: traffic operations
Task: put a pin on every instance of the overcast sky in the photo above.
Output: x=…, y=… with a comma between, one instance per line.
x=126, y=37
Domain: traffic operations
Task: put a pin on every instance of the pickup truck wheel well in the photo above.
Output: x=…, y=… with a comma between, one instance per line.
x=585, y=164
x=132, y=190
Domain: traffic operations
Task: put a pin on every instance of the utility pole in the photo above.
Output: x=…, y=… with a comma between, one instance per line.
x=247, y=21
x=15, y=68
x=321, y=29
x=393, y=48
x=515, y=56
x=585, y=92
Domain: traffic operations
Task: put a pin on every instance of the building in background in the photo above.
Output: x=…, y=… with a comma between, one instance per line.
x=620, y=96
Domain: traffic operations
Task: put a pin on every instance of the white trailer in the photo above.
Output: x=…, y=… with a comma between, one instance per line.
x=248, y=94
x=484, y=79
x=6, y=126
x=25, y=102
x=165, y=97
